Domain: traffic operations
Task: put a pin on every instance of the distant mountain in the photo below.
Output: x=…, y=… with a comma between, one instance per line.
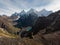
x=28, y=18
x=44, y=12
x=15, y=16
x=22, y=12
x=32, y=11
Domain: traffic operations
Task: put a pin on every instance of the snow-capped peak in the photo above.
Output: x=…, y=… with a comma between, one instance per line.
x=22, y=12
x=44, y=12
x=31, y=11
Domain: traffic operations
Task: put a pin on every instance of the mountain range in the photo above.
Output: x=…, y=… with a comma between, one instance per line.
x=28, y=18
x=42, y=12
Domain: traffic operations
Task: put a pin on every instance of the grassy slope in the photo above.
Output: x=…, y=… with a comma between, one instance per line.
x=4, y=33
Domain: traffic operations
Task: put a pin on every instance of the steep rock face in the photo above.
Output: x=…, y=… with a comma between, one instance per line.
x=41, y=23
x=55, y=20
x=26, y=20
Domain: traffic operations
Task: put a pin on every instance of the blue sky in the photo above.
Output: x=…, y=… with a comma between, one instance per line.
x=10, y=6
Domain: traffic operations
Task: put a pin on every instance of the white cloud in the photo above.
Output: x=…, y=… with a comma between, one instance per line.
x=54, y=6
x=10, y=6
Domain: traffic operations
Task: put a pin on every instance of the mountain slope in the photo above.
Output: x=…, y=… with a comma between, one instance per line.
x=44, y=12
x=4, y=33
x=32, y=11
x=7, y=25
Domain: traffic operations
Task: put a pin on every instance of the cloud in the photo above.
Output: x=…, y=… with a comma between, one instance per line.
x=10, y=6
x=31, y=3
x=53, y=6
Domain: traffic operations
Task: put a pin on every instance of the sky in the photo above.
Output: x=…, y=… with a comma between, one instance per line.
x=8, y=7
